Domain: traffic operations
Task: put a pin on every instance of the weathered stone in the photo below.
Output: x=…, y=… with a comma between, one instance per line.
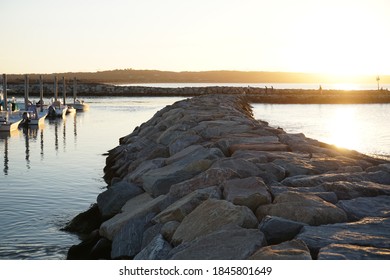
x=380, y=177
x=183, y=142
x=150, y=233
x=168, y=230
x=250, y=192
x=181, y=208
x=271, y=172
x=219, y=128
x=245, y=138
x=277, y=230
x=343, y=190
x=111, y=201
x=349, y=190
x=242, y=167
x=136, y=175
x=210, y=177
x=353, y=252
x=138, y=206
x=127, y=242
x=258, y=147
x=361, y=207
x=229, y=243
x=305, y=208
x=182, y=166
x=381, y=167
x=372, y=232
x=157, y=249
x=289, y=250
x=210, y=216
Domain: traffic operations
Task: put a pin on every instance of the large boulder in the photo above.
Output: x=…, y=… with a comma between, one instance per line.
x=208, y=178
x=157, y=249
x=181, y=208
x=127, y=242
x=361, y=207
x=138, y=206
x=380, y=177
x=301, y=207
x=228, y=243
x=277, y=229
x=243, y=167
x=211, y=216
x=289, y=250
x=372, y=232
x=180, y=167
x=250, y=192
x=111, y=201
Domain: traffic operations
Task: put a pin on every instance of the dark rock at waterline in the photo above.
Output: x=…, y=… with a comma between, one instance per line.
x=83, y=250
x=85, y=222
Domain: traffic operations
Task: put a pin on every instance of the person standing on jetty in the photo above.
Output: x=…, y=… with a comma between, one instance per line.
x=320, y=89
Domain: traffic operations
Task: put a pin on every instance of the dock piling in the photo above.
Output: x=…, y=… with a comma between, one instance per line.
x=5, y=91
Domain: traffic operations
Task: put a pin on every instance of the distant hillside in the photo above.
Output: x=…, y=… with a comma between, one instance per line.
x=155, y=76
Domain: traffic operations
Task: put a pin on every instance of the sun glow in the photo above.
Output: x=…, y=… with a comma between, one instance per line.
x=344, y=129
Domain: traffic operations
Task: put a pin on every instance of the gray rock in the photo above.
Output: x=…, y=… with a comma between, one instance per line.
x=211, y=216
x=349, y=190
x=243, y=167
x=150, y=234
x=182, y=207
x=111, y=201
x=208, y=178
x=344, y=190
x=361, y=207
x=250, y=192
x=183, y=142
x=230, y=243
x=372, y=232
x=168, y=230
x=182, y=166
x=305, y=208
x=277, y=230
x=127, y=241
x=289, y=250
x=271, y=172
x=353, y=252
x=138, y=206
x=136, y=175
x=157, y=249
x=380, y=177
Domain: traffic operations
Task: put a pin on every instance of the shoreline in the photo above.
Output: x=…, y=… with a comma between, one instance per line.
x=254, y=94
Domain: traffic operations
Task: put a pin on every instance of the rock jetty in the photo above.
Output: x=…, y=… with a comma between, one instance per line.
x=202, y=179
x=254, y=94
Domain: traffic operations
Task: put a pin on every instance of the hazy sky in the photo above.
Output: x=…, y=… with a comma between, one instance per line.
x=335, y=36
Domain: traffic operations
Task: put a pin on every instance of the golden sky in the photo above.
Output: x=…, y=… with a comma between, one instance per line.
x=345, y=37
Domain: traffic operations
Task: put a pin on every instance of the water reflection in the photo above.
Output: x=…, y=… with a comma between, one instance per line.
x=344, y=128
x=33, y=139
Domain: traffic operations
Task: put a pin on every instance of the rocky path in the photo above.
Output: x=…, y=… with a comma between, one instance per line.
x=202, y=179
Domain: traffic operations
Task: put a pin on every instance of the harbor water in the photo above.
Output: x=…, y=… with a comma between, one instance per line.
x=51, y=173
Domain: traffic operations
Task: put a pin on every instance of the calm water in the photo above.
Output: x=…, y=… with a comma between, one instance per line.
x=51, y=173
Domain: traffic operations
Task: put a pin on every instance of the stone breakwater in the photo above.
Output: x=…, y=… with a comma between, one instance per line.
x=254, y=94
x=202, y=179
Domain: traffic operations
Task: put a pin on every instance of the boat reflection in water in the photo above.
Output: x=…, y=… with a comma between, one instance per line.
x=41, y=137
